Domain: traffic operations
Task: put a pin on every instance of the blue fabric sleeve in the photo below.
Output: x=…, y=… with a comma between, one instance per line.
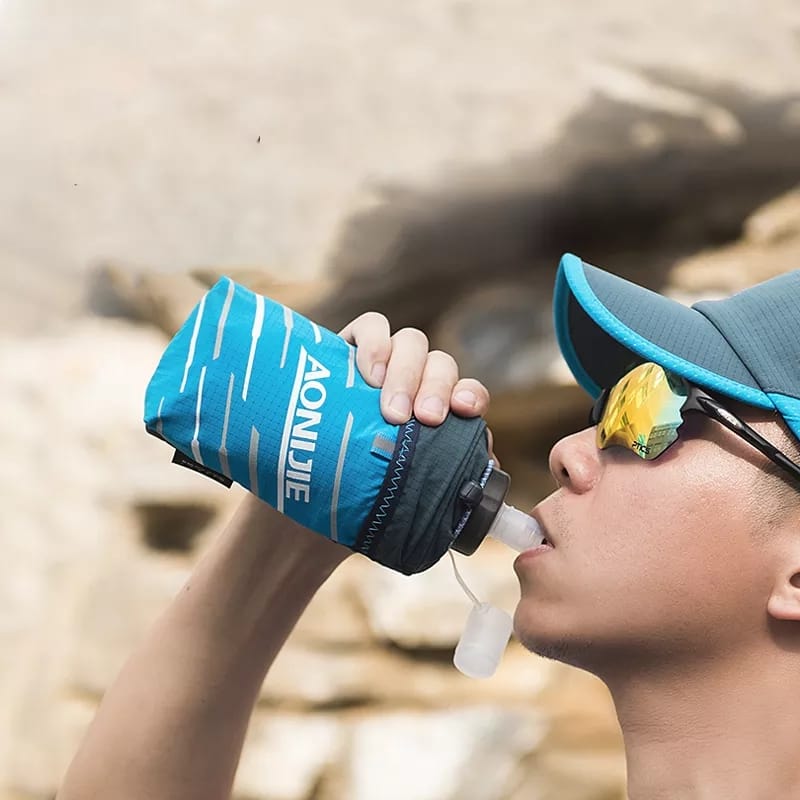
x=254, y=391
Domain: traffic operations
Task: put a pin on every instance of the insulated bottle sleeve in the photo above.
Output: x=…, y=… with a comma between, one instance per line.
x=252, y=392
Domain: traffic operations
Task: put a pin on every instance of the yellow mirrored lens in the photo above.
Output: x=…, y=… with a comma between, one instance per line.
x=642, y=412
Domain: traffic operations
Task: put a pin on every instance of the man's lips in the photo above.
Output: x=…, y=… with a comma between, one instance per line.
x=548, y=539
x=530, y=555
x=547, y=546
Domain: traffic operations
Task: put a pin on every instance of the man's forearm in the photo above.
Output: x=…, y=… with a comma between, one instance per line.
x=172, y=725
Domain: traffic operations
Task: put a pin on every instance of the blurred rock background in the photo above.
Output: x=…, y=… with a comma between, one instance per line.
x=429, y=160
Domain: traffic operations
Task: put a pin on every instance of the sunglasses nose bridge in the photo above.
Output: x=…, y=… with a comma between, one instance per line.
x=597, y=408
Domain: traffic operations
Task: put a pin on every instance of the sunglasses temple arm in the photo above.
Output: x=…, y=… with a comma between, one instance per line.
x=746, y=432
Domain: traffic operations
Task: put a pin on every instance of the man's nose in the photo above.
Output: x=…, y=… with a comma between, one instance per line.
x=575, y=461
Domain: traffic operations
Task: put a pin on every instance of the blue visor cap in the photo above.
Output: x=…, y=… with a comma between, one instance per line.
x=746, y=346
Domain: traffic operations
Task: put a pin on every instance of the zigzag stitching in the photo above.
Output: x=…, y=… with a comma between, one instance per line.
x=391, y=489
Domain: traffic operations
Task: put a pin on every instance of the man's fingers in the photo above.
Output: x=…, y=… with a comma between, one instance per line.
x=438, y=379
x=412, y=380
x=404, y=374
x=371, y=334
x=469, y=398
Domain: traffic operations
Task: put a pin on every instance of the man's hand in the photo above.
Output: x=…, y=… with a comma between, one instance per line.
x=412, y=378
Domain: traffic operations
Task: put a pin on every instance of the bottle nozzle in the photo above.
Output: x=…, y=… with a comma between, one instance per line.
x=518, y=530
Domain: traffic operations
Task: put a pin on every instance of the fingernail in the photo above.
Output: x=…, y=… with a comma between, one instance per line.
x=465, y=396
x=434, y=405
x=401, y=404
x=378, y=372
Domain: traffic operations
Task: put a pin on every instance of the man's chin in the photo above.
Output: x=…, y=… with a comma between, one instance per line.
x=581, y=654
x=553, y=644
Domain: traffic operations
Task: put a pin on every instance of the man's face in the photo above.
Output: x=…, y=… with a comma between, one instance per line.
x=652, y=560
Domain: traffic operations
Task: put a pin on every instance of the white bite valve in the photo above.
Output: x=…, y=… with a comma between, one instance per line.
x=483, y=641
x=518, y=530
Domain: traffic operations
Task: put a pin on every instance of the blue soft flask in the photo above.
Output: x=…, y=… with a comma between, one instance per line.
x=253, y=392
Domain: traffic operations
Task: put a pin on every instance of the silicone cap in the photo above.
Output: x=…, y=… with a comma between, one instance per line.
x=483, y=641
x=518, y=530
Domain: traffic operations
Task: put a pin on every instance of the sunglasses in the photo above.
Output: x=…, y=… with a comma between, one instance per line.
x=644, y=410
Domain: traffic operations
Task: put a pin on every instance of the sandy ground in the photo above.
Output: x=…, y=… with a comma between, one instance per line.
x=130, y=132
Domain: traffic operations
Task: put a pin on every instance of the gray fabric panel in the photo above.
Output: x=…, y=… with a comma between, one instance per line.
x=673, y=326
x=421, y=528
x=762, y=324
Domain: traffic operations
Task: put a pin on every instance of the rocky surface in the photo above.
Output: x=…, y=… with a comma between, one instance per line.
x=770, y=246
x=436, y=174
x=246, y=134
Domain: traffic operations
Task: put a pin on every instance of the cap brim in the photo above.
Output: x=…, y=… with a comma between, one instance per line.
x=605, y=325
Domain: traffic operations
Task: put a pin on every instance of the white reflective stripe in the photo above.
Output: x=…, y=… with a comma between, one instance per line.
x=317, y=334
x=223, y=450
x=351, y=367
x=223, y=319
x=196, y=440
x=288, y=321
x=287, y=425
x=258, y=324
x=160, y=422
x=193, y=342
x=253, y=459
x=337, y=481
